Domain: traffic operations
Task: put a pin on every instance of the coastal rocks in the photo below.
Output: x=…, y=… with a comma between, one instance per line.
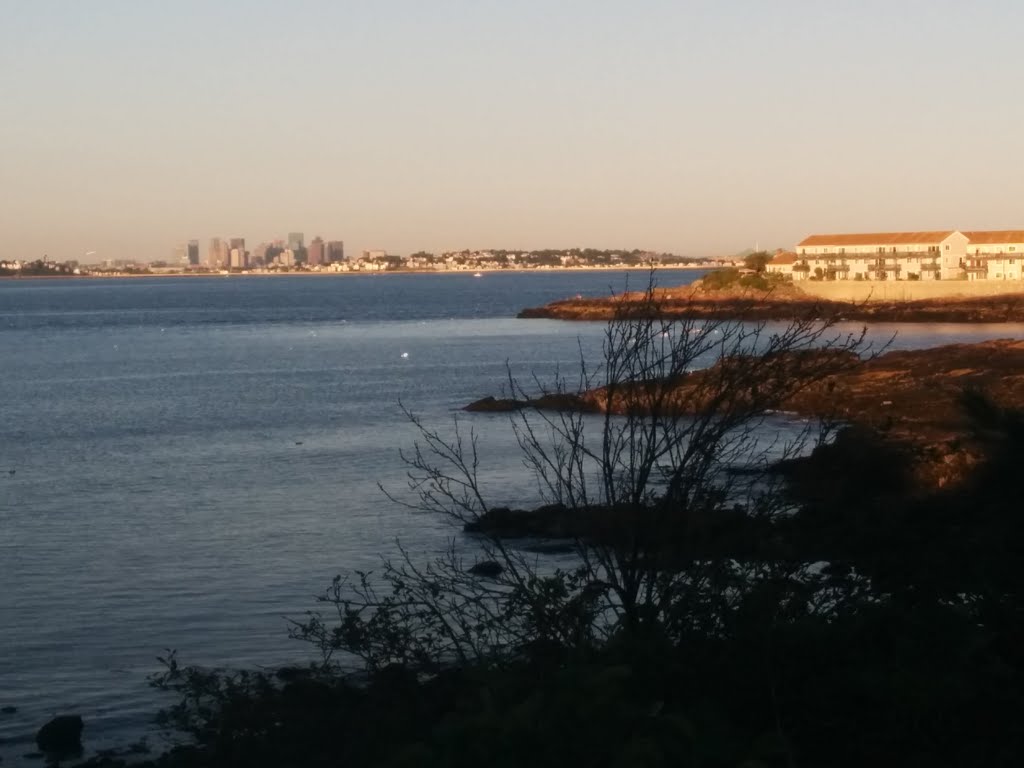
x=913, y=399
x=690, y=303
x=488, y=569
x=61, y=736
x=559, y=401
x=551, y=521
x=495, y=405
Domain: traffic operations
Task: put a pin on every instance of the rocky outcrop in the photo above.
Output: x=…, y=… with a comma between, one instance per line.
x=550, y=402
x=755, y=305
x=61, y=736
x=488, y=569
x=551, y=521
x=914, y=399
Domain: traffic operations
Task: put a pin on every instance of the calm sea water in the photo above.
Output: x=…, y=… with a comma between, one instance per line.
x=185, y=462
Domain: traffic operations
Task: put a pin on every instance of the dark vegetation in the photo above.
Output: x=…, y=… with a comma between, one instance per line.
x=38, y=268
x=726, y=600
x=732, y=278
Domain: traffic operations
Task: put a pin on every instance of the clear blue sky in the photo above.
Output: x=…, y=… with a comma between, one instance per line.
x=127, y=126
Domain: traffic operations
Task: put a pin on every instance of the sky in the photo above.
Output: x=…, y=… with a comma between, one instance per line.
x=697, y=128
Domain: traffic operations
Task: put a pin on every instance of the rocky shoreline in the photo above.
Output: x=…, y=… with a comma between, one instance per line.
x=783, y=303
x=911, y=408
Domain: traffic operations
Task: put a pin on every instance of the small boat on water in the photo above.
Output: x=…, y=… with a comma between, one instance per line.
x=478, y=274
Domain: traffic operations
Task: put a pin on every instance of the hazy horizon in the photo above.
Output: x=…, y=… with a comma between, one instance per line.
x=698, y=128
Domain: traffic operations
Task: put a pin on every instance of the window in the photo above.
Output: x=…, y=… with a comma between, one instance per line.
x=947, y=247
x=1012, y=248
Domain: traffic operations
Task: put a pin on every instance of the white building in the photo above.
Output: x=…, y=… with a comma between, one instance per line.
x=945, y=254
x=782, y=263
x=995, y=255
x=884, y=255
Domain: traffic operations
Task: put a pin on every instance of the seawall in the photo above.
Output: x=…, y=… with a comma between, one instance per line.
x=907, y=290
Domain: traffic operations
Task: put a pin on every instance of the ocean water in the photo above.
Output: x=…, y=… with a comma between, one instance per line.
x=184, y=462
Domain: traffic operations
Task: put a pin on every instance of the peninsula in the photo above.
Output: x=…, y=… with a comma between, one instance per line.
x=769, y=298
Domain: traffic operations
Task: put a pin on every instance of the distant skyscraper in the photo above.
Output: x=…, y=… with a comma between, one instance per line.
x=296, y=240
x=335, y=251
x=213, y=254
x=316, y=252
x=192, y=253
x=258, y=255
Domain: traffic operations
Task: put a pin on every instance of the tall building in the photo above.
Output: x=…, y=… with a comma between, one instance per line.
x=213, y=253
x=316, y=252
x=258, y=255
x=192, y=253
x=335, y=251
x=296, y=241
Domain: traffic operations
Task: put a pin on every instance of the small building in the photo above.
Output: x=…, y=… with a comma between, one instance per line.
x=782, y=264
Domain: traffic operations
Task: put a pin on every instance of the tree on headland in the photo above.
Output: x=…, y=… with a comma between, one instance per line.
x=757, y=261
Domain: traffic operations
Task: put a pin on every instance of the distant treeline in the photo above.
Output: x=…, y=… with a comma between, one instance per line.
x=36, y=268
x=557, y=256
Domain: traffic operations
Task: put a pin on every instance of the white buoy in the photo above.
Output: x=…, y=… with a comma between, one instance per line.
x=405, y=354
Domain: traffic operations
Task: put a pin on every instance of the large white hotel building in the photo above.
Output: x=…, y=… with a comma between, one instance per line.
x=941, y=255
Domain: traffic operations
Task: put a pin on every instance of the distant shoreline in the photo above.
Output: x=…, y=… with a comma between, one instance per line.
x=464, y=272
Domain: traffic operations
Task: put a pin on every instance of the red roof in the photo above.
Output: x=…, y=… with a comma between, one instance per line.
x=996, y=237
x=783, y=257
x=877, y=238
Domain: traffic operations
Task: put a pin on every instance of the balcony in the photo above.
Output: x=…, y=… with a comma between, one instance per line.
x=931, y=267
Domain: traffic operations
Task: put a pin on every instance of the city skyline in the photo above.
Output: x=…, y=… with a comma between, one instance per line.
x=693, y=128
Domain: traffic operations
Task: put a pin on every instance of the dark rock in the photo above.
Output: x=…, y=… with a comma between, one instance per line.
x=495, y=405
x=489, y=569
x=62, y=735
x=555, y=401
x=562, y=401
x=549, y=521
x=551, y=548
